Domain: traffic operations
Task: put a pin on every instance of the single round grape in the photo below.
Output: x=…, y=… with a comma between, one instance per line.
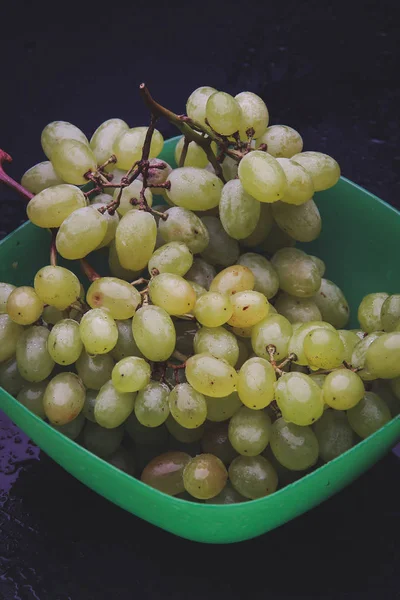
x=324, y=169
x=39, y=177
x=297, y=310
x=300, y=189
x=294, y=447
x=98, y=331
x=343, y=389
x=64, y=343
x=112, y=407
x=369, y=312
x=249, y=308
x=383, y=356
x=296, y=342
x=103, y=139
x=5, y=291
x=182, y=225
x=223, y=113
x=50, y=207
x=249, y=431
x=282, y=141
x=210, y=376
x=195, y=155
x=10, y=378
x=369, y=415
x=56, y=131
x=213, y=309
x=128, y=146
x=262, y=177
x=262, y=229
x=196, y=103
x=275, y=330
x=132, y=191
x=276, y=240
x=221, y=409
x=34, y=361
x=299, y=398
x=217, y=341
x=302, y=223
x=96, y=370
x=126, y=345
x=298, y=273
x=266, y=280
x=165, y=472
x=255, y=114
x=334, y=434
x=222, y=249
x=390, y=313
x=72, y=429
x=152, y=323
x=112, y=221
x=228, y=496
x=131, y=374
x=239, y=212
x=233, y=279
x=172, y=293
x=116, y=269
x=253, y=476
x=183, y=434
x=216, y=441
x=359, y=355
x=102, y=442
x=174, y=257
x=71, y=160
x=24, y=306
x=349, y=339
x=115, y=295
x=324, y=349
x=81, y=233
x=201, y=273
x=31, y=396
x=256, y=383
x=204, y=476
x=332, y=304
x=90, y=403
x=151, y=405
x=64, y=398
x=194, y=189
x=57, y=286
x=135, y=239
x=187, y=406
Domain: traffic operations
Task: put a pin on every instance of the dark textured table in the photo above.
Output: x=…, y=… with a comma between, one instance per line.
x=327, y=69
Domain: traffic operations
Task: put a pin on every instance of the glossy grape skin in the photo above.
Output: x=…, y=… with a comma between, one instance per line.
x=165, y=472
x=64, y=343
x=5, y=291
x=39, y=177
x=295, y=447
x=187, y=406
x=201, y=273
x=296, y=342
x=10, y=378
x=197, y=101
x=213, y=309
x=369, y=415
x=369, y=312
x=132, y=191
x=221, y=409
x=275, y=330
x=102, y=442
x=297, y=310
x=210, y=376
x=195, y=155
x=343, y=389
x=299, y=398
x=128, y=146
x=112, y=407
x=390, y=313
x=172, y=293
x=266, y=279
x=222, y=249
x=31, y=396
x=183, y=225
x=298, y=274
x=96, y=370
x=324, y=169
x=154, y=323
x=223, y=113
x=239, y=212
x=216, y=441
x=332, y=304
x=227, y=496
x=194, y=189
x=81, y=233
x=249, y=308
x=262, y=229
x=98, y=331
x=131, y=374
x=71, y=159
x=217, y=341
x=233, y=279
x=117, y=296
x=34, y=361
x=204, y=476
x=349, y=339
x=56, y=131
x=282, y=141
x=302, y=223
x=57, y=286
x=254, y=114
x=358, y=358
x=262, y=177
x=174, y=257
x=50, y=207
x=334, y=434
x=64, y=398
x=249, y=431
x=24, y=306
x=90, y=403
x=112, y=221
x=103, y=139
x=256, y=383
x=324, y=349
x=253, y=476
x=151, y=405
x=320, y=264
x=116, y=269
x=383, y=356
x=135, y=239
x=300, y=188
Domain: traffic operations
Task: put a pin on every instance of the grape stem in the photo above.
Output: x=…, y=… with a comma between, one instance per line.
x=139, y=281
x=89, y=271
x=53, y=248
x=182, y=157
x=271, y=349
x=9, y=181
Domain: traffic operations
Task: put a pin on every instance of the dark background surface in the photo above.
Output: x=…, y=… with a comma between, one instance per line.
x=331, y=71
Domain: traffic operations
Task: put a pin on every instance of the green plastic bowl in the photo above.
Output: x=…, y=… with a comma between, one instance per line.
x=359, y=244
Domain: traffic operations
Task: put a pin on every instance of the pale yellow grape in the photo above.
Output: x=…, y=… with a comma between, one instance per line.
x=128, y=193
x=265, y=277
x=262, y=229
x=359, y=355
x=194, y=188
x=221, y=409
x=174, y=257
x=369, y=312
x=39, y=177
x=195, y=156
x=383, y=356
x=98, y=331
x=117, y=296
x=64, y=398
x=254, y=114
x=324, y=169
x=50, y=207
x=96, y=370
x=249, y=431
x=343, y=389
x=324, y=349
x=24, y=305
x=222, y=249
x=233, y=279
x=262, y=177
x=201, y=273
x=249, y=308
x=152, y=323
x=300, y=187
x=213, y=309
x=64, y=343
x=81, y=233
x=297, y=310
x=72, y=160
x=135, y=239
x=197, y=101
x=223, y=113
x=57, y=286
x=112, y=224
x=90, y=403
x=117, y=269
x=282, y=141
x=112, y=407
x=151, y=404
x=5, y=291
x=349, y=339
x=187, y=406
x=128, y=146
x=244, y=351
x=276, y=240
x=204, y=476
x=56, y=131
x=332, y=304
x=126, y=345
x=33, y=358
x=31, y=396
x=295, y=447
x=253, y=476
x=298, y=274
x=131, y=374
x=256, y=383
x=299, y=399
x=275, y=330
x=302, y=223
x=210, y=376
x=217, y=341
x=369, y=415
x=103, y=139
x=172, y=293
x=183, y=225
x=239, y=212
x=9, y=335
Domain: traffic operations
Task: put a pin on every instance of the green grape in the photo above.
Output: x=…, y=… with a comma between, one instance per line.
x=81, y=233
x=94, y=371
x=249, y=431
x=324, y=349
x=275, y=330
x=197, y=101
x=165, y=472
x=282, y=141
x=223, y=113
x=116, y=269
x=183, y=434
x=204, y=476
x=57, y=286
x=9, y=335
x=359, y=355
x=228, y=496
x=71, y=160
x=115, y=295
x=131, y=374
x=262, y=229
x=98, y=331
x=172, y=293
x=112, y=221
x=349, y=339
x=64, y=398
x=151, y=405
x=300, y=187
x=217, y=341
x=253, y=476
x=216, y=441
x=33, y=358
x=320, y=264
x=221, y=409
x=343, y=389
x=334, y=434
x=39, y=177
x=229, y=168
x=112, y=407
x=262, y=177
x=389, y=391
x=126, y=345
x=10, y=378
x=50, y=207
x=213, y=309
x=58, y=131
x=297, y=272
x=187, y=406
x=265, y=277
x=249, y=308
x=296, y=343
x=210, y=376
x=135, y=239
x=332, y=304
x=24, y=306
x=174, y=257
x=201, y=273
x=369, y=312
x=254, y=114
x=256, y=383
x=100, y=441
x=299, y=398
x=297, y=310
x=5, y=291
x=239, y=212
x=369, y=415
x=383, y=356
x=103, y=139
x=128, y=146
x=276, y=240
x=324, y=169
x=233, y=279
x=294, y=447
x=194, y=189
x=390, y=312
x=90, y=403
x=130, y=192
x=222, y=249
x=31, y=396
x=195, y=155
x=152, y=323
x=183, y=225
x=302, y=223
x=72, y=429
x=64, y=343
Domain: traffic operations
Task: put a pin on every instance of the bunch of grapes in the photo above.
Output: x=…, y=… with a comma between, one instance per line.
x=212, y=360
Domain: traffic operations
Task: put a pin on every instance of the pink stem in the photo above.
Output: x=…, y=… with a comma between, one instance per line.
x=14, y=185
